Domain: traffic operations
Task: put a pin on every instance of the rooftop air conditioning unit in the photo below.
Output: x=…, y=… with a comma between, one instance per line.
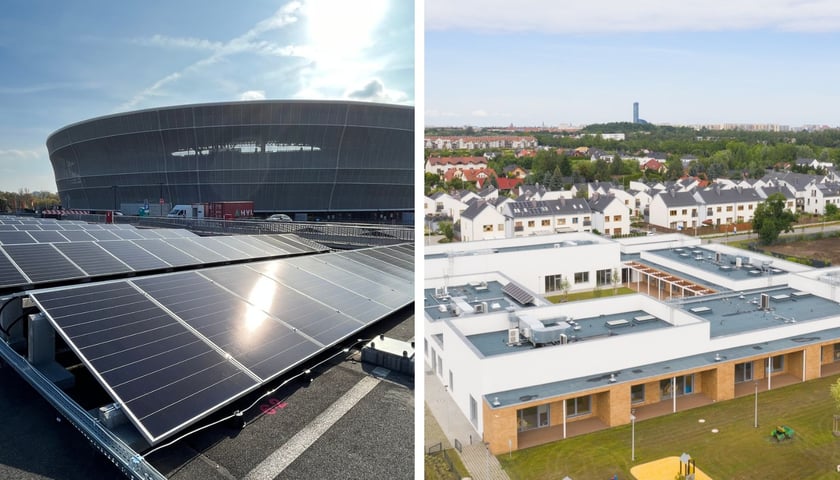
x=480, y=307
x=513, y=336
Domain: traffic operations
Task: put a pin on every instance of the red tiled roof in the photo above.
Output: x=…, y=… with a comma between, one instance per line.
x=457, y=160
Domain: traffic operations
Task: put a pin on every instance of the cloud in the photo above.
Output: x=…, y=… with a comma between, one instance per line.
x=252, y=95
x=22, y=153
x=178, y=42
x=479, y=113
x=375, y=91
x=243, y=43
x=620, y=16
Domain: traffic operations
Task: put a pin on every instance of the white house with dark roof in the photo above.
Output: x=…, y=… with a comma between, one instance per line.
x=786, y=191
x=725, y=206
x=482, y=221
x=818, y=195
x=675, y=210
x=547, y=216
x=609, y=215
x=446, y=205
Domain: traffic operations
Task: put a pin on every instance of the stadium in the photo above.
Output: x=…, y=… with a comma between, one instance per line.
x=327, y=159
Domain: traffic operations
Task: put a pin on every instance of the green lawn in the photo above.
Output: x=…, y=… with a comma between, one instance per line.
x=738, y=451
x=601, y=293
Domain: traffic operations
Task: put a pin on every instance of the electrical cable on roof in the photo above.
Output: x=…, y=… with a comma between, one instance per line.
x=239, y=413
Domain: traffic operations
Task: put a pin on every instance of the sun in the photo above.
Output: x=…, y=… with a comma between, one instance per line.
x=340, y=28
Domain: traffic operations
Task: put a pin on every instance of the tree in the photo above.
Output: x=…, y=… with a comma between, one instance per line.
x=447, y=230
x=831, y=211
x=564, y=288
x=772, y=218
x=565, y=166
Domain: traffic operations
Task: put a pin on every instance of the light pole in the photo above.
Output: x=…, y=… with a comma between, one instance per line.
x=755, y=424
x=632, y=435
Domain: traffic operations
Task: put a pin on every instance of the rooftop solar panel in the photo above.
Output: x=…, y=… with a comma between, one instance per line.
x=48, y=236
x=41, y=262
x=148, y=233
x=92, y=258
x=202, y=253
x=339, y=260
x=389, y=256
x=167, y=252
x=241, y=244
x=309, y=316
x=9, y=274
x=518, y=293
x=134, y=256
x=369, y=286
x=77, y=236
x=218, y=246
x=103, y=235
x=8, y=228
x=286, y=243
x=28, y=226
x=241, y=329
x=379, y=264
x=15, y=238
x=128, y=234
x=161, y=373
x=50, y=226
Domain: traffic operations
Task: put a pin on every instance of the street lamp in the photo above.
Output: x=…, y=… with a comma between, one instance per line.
x=632, y=435
x=755, y=424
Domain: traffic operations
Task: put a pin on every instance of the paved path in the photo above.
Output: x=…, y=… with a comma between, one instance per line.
x=478, y=460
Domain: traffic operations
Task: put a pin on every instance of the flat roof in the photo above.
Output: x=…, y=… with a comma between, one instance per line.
x=738, y=312
x=719, y=263
x=473, y=293
x=637, y=374
x=514, y=248
x=495, y=343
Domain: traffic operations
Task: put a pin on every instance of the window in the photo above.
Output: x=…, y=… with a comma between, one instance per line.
x=451, y=382
x=637, y=393
x=553, y=283
x=440, y=366
x=616, y=218
x=718, y=209
x=581, y=277
x=575, y=220
x=740, y=208
x=533, y=417
x=750, y=206
x=578, y=406
x=729, y=208
x=837, y=352
x=603, y=277
x=546, y=223
x=743, y=372
x=672, y=213
x=426, y=346
x=473, y=411
x=709, y=211
x=561, y=221
x=685, y=211
x=684, y=386
x=531, y=223
x=488, y=228
x=778, y=363
x=501, y=227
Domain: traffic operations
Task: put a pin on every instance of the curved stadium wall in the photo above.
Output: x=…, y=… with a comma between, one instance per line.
x=285, y=156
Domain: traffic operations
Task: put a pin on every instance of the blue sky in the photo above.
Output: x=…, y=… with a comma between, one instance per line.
x=64, y=62
x=530, y=62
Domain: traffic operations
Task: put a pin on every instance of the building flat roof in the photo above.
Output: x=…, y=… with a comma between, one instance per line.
x=738, y=312
x=474, y=293
x=495, y=343
x=719, y=263
x=635, y=374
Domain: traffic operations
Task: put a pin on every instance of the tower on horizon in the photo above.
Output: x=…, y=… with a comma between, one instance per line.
x=635, y=112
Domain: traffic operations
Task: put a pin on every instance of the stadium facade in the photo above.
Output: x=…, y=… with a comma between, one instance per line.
x=330, y=158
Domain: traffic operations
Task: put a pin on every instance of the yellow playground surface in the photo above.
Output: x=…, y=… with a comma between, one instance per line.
x=663, y=469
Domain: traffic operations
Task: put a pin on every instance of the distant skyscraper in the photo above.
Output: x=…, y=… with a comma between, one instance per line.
x=635, y=112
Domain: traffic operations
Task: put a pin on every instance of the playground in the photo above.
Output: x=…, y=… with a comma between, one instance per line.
x=665, y=469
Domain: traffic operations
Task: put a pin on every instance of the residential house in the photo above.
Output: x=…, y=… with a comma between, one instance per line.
x=547, y=216
x=609, y=215
x=447, y=205
x=481, y=221
x=818, y=195
x=726, y=206
x=441, y=165
x=675, y=210
x=514, y=171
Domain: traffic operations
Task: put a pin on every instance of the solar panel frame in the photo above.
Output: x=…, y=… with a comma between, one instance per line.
x=10, y=274
x=103, y=235
x=42, y=262
x=92, y=258
x=48, y=236
x=378, y=264
x=134, y=256
x=166, y=252
x=515, y=291
x=16, y=237
x=178, y=398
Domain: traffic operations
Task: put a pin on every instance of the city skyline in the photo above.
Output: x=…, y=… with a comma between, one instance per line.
x=493, y=64
x=65, y=64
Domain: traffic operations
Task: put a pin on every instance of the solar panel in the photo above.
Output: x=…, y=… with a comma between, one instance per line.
x=128, y=234
x=77, y=236
x=241, y=329
x=9, y=274
x=343, y=298
x=310, y=317
x=134, y=256
x=343, y=262
x=379, y=264
x=389, y=256
x=202, y=253
x=163, y=375
x=103, y=235
x=217, y=245
x=47, y=236
x=167, y=252
x=152, y=234
x=28, y=226
x=42, y=263
x=285, y=243
x=15, y=238
x=266, y=249
x=92, y=258
x=518, y=293
x=8, y=228
x=243, y=245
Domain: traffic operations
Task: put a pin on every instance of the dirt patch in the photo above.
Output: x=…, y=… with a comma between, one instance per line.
x=824, y=249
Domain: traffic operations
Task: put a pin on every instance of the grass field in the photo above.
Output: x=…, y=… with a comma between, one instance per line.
x=600, y=293
x=738, y=451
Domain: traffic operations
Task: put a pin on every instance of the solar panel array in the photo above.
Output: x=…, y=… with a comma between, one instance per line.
x=518, y=293
x=171, y=348
x=32, y=264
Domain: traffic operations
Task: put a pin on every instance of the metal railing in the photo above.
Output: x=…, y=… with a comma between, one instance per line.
x=118, y=452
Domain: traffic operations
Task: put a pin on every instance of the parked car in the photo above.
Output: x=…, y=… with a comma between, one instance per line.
x=279, y=217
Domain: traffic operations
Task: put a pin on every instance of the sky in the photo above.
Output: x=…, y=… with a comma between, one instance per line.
x=65, y=62
x=535, y=62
